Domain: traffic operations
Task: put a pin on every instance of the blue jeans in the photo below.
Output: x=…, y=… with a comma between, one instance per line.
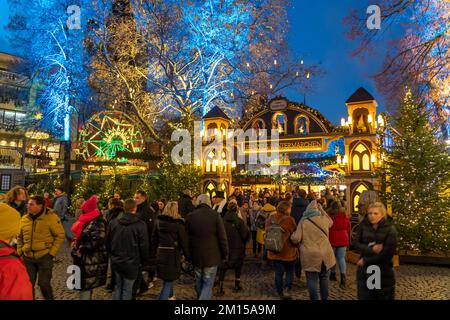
x=339, y=253
x=204, y=282
x=124, y=288
x=312, y=278
x=166, y=291
x=282, y=267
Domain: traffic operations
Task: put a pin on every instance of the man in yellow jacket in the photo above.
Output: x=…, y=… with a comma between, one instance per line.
x=40, y=237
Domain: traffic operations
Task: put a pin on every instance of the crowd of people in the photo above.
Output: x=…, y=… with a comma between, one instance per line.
x=137, y=242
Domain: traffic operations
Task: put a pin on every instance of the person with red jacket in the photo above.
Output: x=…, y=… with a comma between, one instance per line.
x=339, y=239
x=14, y=280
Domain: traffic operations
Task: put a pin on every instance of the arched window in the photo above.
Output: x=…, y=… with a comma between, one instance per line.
x=211, y=162
x=223, y=187
x=211, y=131
x=357, y=194
x=279, y=122
x=360, y=158
x=210, y=189
x=258, y=125
x=302, y=125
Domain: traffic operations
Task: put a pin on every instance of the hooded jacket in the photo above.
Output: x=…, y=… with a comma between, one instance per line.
x=312, y=235
x=208, y=239
x=14, y=281
x=128, y=245
x=237, y=235
x=40, y=235
x=169, y=241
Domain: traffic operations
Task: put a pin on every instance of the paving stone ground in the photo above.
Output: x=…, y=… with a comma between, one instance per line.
x=413, y=283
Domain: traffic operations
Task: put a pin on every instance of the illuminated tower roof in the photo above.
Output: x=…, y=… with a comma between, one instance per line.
x=360, y=95
x=216, y=112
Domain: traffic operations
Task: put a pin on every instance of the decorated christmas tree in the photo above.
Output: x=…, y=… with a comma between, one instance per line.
x=173, y=179
x=418, y=169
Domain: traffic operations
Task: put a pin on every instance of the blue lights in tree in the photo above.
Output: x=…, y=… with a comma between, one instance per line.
x=55, y=56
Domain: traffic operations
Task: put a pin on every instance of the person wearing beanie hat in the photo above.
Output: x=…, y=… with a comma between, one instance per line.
x=89, y=248
x=14, y=281
x=40, y=237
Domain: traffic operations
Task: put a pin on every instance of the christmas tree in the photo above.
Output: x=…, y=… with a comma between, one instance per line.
x=418, y=169
x=173, y=179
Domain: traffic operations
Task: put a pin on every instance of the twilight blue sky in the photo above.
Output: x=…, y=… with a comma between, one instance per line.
x=317, y=32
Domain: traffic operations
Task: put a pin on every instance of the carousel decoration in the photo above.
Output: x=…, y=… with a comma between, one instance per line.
x=108, y=133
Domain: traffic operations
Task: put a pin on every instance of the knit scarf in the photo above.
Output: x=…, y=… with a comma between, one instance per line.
x=310, y=213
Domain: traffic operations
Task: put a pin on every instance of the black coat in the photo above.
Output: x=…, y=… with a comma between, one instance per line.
x=169, y=240
x=185, y=206
x=93, y=261
x=237, y=235
x=298, y=208
x=112, y=214
x=386, y=235
x=127, y=243
x=207, y=237
x=148, y=215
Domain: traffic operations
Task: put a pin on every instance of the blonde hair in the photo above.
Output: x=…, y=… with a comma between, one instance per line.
x=378, y=205
x=171, y=210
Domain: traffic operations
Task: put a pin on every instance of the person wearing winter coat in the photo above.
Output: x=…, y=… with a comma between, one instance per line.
x=115, y=211
x=89, y=249
x=220, y=203
x=60, y=203
x=39, y=239
x=185, y=205
x=146, y=213
x=261, y=220
x=299, y=204
x=316, y=254
x=237, y=235
x=127, y=243
x=339, y=239
x=376, y=240
x=254, y=211
x=283, y=261
x=170, y=241
x=14, y=280
x=208, y=244
x=16, y=198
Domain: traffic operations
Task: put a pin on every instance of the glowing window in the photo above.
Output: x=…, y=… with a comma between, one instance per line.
x=357, y=194
x=302, y=125
x=210, y=189
x=279, y=123
x=360, y=158
x=366, y=162
x=355, y=162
